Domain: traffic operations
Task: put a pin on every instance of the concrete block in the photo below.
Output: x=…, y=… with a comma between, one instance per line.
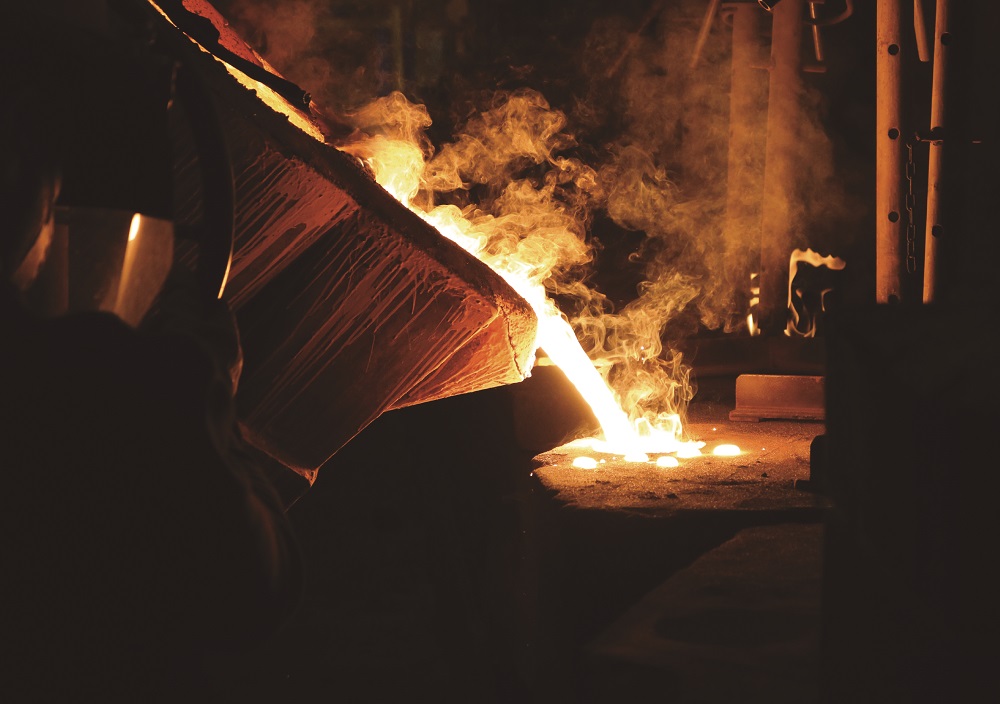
x=763, y=396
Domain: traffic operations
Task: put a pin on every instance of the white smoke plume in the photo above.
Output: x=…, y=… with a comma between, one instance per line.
x=644, y=145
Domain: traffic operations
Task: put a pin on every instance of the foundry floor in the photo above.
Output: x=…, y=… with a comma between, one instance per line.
x=446, y=561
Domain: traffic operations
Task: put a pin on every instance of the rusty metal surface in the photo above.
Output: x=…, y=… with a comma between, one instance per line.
x=348, y=304
x=764, y=396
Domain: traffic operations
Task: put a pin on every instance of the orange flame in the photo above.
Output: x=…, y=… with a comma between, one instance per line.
x=752, y=325
x=529, y=237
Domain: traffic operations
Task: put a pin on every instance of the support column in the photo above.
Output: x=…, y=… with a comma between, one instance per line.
x=747, y=96
x=935, y=225
x=779, y=219
x=891, y=217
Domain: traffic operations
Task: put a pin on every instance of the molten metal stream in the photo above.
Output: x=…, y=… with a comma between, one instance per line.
x=398, y=165
x=556, y=337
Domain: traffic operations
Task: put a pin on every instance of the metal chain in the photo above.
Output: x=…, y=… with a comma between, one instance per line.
x=911, y=224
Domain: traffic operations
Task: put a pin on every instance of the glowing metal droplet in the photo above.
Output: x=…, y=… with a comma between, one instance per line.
x=690, y=449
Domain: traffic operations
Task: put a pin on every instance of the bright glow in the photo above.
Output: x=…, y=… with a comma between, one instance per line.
x=667, y=461
x=636, y=457
x=398, y=163
x=585, y=463
x=692, y=449
x=726, y=450
x=752, y=327
x=275, y=102
x=133, y=228
x=264, y=92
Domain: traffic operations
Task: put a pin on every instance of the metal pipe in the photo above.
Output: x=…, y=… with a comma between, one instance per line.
x=747, y=105
x=935, y=229
x=890, y=247
x=706, y=26
x=396, y=27
x=920, y=30
x=817, y=39
x=633, y=39
x=780, y=216
x=847, y=12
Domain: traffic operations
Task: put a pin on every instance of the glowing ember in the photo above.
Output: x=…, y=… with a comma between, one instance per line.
x=667, y=461
x=726, y=450
x=636, y=457
x=691, y=449
x=585, y=462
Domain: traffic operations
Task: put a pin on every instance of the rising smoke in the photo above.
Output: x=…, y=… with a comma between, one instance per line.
x=642, y=141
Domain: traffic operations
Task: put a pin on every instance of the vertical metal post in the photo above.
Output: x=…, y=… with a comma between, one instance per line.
x=920, y=30
x=781, y=164
x=817, y=37
x=398, y=40
x=747, y=96
x=706, y=27
x=890, y=247
x=935, y=225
